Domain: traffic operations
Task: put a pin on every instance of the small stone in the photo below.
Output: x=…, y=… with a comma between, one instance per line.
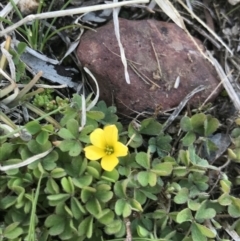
x=157, y=51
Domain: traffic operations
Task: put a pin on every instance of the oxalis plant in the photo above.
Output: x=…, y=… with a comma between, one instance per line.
x=104, y=181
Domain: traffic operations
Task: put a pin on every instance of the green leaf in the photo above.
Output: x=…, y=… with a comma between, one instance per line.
x=194, y=205
x=197, y=234
x=150, y=126
x=52, y=186
x=189, y=138
x=119, y=205
x=205, y=231
x=163, y=144
x=186, y=124
x=149, y=195
x=225, y=199
x=42, y=137
x=7, y=202
x=6, y=150
x=182, y=196
x=109, y=116
x=163, y=169
x=159, y=214
x=225, y=186
x=84, y=134
x=12, y=231
x=93, y=207
x=135, y=136
x=77, y=208
x=73, y=127
x=87, y=193
x=143, y=178
x=83, y=181
x=21, y=48
x=152, y=179
x=86, y=227
x=58, y=173
x=197, y=121
x=142, y=232
x=96, y=115
x=77, y=100
x=126, y=210
x=120, y=188
x=65, y=134
x=76, y=149
x=36, y=148
x=210, y=125
x=107, y=217
x=142, y=159
x=56, y=224
x=234, y=208
x=184, y=216
x=67, y=185
x=204, y=213
x=61, y=197
x=110, y=176
x=113, y=227
x=93, y=172
x=33, y=127
x=136, y=206
x=104, y=196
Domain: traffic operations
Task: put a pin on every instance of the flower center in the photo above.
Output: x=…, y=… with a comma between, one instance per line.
x=109, y=150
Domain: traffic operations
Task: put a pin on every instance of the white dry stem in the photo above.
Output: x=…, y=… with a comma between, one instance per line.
x=7, y=9
x=181, y=105
x=193, y=15
x=8, y=129
x=95, y=100
x=73, y=45
x=117, y=33
x=62, y=13
x=226, y=83
x=26, y=162
x=45, y=86
x=172, y=12
x=11, y=65
x=10, y=98
x=84, y=113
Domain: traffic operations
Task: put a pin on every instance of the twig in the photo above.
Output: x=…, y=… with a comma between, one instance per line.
x=128, y=230
x=62, y=13
x=181, y=105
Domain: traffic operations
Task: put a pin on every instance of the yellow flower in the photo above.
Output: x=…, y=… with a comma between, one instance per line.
x=106, y=146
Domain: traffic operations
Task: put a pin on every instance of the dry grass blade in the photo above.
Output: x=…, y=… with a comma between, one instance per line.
x=62, y=13
x=226, y=83
x=26, y=162
x=181, y=106
x=26, y=88
x=95, y=100
x=7, y=9
x=171, y=11
x=205, y=26
x=117, y=33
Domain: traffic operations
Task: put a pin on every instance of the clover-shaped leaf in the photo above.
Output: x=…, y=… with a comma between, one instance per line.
x=204, y=213
x=184, y=216
x=150, y=127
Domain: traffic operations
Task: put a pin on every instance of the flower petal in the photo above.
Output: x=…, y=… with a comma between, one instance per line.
x=111, y=134
x=109, y=162
x=94, y=153
x=97, y=138
x=120, y=149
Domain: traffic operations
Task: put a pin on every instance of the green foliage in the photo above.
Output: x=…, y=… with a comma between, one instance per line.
x=155, y=193
x=46, y=101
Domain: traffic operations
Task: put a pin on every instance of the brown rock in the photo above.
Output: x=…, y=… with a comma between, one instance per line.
x=177, y=56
